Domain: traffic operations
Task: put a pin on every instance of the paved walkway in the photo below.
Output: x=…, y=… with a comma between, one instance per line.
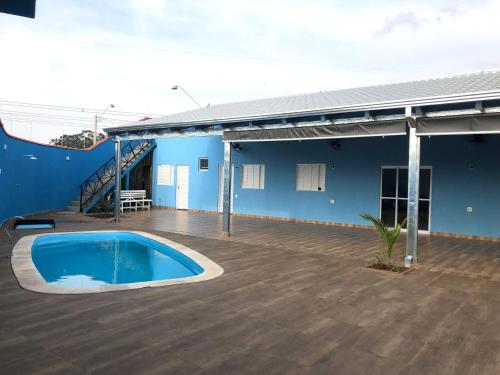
x=283, y=306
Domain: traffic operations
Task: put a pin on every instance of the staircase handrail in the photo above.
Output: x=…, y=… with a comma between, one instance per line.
x=110, y=164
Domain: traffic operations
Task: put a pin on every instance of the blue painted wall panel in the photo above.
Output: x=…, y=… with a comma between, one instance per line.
x=49, y=183
x=203, y=185
x=352, y=179
x=464, y=174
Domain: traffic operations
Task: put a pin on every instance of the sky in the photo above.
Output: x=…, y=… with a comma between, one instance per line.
x=131, y=52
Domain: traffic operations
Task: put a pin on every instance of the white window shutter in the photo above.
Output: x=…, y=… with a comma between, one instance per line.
x=244, y=177
x=162, y=175
x=310, y=177
x=165, y=174
x=255, y=176
x=321, y=176
x=252, y=176
x=300, y=177
x=171, y=177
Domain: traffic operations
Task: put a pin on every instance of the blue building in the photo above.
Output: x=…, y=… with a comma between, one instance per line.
x=355, y=175
x=426, y=150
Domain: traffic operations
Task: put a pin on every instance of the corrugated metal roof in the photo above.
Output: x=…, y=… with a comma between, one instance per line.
x=329, y=101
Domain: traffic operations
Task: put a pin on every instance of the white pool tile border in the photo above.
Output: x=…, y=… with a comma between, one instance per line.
x=29, y=278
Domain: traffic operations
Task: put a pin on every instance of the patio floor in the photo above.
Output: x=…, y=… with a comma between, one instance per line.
x=451, y=255
x=294, y=298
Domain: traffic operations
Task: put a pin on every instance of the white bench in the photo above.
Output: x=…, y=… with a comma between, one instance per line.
x=134, y=199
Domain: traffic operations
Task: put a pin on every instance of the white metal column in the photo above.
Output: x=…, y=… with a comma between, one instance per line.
x=118, y=173
x=226, y=200
x=413, y=189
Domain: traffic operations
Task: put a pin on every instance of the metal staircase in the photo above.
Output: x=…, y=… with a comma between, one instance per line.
x=102, y=180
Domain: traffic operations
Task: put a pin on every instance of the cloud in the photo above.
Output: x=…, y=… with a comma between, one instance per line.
x=426, y=14
x=402, y=19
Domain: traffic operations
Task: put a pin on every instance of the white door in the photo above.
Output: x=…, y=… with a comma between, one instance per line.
x=221, y=188
x=182, y=187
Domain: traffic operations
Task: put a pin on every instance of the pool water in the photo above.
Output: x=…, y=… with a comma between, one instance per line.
x=34, y=226
x=92, y=259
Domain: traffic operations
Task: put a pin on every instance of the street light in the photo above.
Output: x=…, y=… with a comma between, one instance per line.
x=185, y=92
x=100, y=116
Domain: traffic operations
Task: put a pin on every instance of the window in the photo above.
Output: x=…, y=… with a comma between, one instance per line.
x=252, y=176
x=311, y=177
x=203, y=164
x=394, y=196
x=165, y=174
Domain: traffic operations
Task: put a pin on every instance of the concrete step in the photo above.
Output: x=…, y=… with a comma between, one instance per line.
x=74, y=205
x=73, y=208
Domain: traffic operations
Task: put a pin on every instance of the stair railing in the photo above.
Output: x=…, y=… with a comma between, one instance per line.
x=105, y=174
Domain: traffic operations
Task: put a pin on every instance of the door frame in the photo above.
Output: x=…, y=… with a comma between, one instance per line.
x=397, y=167
x=220, y=189
x=177, y=184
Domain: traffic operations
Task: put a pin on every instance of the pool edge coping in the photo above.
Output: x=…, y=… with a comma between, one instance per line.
x=29, y=278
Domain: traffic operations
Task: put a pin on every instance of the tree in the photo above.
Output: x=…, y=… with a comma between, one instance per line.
x=80, y=140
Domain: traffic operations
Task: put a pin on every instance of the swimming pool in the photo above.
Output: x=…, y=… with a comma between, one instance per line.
x=89, y=262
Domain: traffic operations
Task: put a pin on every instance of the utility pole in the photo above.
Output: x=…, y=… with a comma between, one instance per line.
x=95, y=129
x=96, y=118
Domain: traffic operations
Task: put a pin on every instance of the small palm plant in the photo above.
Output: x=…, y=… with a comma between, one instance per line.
x=388, y=235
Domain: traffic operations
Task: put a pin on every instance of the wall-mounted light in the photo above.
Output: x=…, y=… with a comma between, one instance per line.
x=67, y=158
x=336, y=144
x=237, y=147
x=477, y=139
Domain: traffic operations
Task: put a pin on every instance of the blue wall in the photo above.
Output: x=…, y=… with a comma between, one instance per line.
x=352, y=178
x=49, y=183
x=464, y=174
x=203, y=185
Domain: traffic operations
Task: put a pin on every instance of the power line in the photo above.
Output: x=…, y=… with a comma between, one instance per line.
x=58, y=117
x=61, y=116
x=238, y=57
x=36, y=116
x=74, y=109
x=55, y=119
x=41, y=122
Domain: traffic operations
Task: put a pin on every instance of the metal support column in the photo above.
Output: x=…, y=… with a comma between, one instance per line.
x=226, y=199
x=118, y=173
x=413, y=190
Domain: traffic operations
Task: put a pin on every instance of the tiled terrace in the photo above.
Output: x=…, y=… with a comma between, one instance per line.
x=450, y=255
x=294, y=299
